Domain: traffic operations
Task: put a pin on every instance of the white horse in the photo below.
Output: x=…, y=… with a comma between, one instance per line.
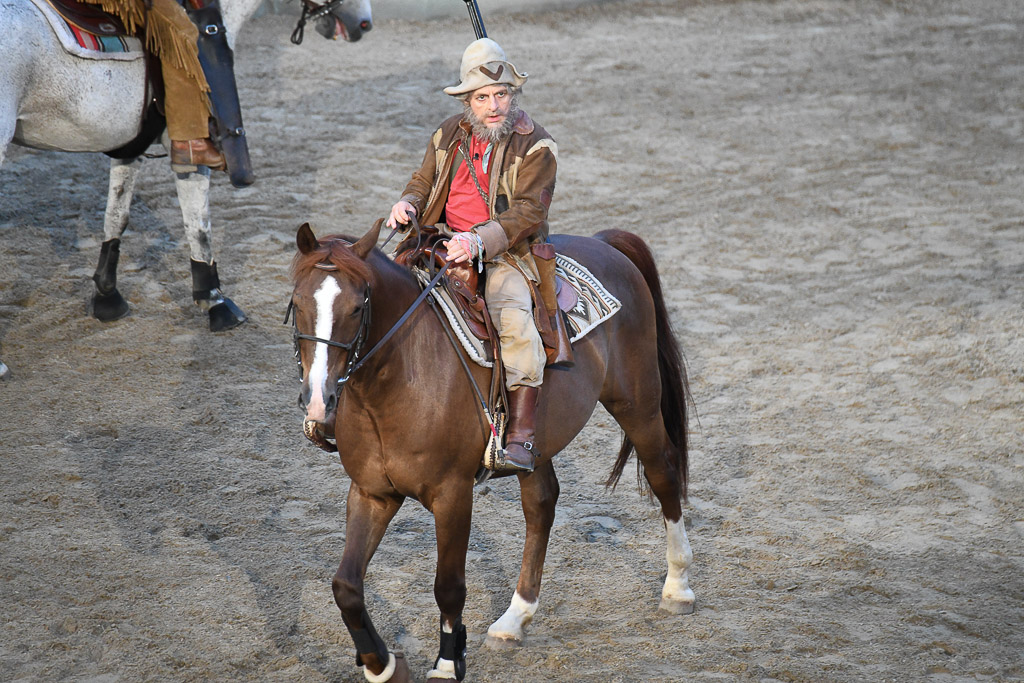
x=54, y=98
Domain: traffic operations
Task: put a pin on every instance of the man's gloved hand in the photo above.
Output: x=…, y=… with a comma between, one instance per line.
x=463, y=247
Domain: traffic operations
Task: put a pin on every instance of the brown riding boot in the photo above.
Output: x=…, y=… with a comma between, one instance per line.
x=520, y=452
x=187, y=155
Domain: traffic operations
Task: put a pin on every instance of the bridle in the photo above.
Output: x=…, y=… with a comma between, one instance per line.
x=312, y=11
x=355, y=345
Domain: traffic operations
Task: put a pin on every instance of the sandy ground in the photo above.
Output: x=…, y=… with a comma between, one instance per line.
x=834, y=193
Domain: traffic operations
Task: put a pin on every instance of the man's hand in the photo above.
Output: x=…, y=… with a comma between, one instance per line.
x=462, y=247
x=400, y=213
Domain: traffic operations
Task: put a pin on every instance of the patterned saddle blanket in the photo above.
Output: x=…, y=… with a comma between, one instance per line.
x=585, y=301
x=87, y=32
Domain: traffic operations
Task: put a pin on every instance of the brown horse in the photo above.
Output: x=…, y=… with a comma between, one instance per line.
x=408, y=423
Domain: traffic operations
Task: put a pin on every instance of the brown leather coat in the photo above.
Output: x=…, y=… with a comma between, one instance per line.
x=522, y=178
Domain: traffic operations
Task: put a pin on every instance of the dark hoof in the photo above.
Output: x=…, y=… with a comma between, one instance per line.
x=402, y=673
x=109, y=307
x=225, y=316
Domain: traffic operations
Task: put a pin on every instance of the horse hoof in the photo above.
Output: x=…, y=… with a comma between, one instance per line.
x=493, y=643
x=676, y=606
x=225, y=316
x=109, y=307
x=5, y=372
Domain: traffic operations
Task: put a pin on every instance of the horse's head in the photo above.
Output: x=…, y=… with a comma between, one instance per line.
x=349, y=20
x=331, y=308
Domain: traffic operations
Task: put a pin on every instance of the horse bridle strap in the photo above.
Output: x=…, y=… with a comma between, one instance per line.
x=312, y=11
x=354, y=346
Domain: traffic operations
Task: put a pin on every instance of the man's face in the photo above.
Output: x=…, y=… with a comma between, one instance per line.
x=490, y=105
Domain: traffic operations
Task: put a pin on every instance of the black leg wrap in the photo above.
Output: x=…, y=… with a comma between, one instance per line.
x=223, y=312
x=204, y=280
x=367, y=641
x=107, y=302
x=453, y=648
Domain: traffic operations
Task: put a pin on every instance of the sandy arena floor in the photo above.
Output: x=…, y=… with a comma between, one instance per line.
x=833, y=190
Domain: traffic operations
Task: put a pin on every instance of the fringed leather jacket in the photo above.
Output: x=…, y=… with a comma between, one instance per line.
x=521, y=183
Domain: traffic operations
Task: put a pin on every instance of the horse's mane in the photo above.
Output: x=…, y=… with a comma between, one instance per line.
x=337, y=251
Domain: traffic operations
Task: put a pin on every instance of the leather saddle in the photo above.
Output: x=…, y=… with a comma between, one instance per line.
x=89, y=18
x=425, y=249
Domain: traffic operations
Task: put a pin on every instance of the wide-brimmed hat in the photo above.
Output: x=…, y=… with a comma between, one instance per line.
x=483, y=64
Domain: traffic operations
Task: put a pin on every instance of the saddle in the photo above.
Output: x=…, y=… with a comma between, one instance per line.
x=464, y=285
x=89, y=18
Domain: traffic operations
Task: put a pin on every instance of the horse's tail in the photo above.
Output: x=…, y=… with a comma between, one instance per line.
x=675, y=390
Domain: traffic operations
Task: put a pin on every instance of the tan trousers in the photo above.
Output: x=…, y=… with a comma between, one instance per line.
x=185, y=102
x=508, y=299
x=171, y=36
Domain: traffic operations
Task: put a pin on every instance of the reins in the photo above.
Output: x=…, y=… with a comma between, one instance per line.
x=354, y=362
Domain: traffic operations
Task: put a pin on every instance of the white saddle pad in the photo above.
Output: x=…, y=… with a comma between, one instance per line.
x=594, y=305
x=132, y=46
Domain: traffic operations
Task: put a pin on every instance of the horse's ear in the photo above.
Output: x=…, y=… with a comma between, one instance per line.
x=368, y=241
x=306, y=240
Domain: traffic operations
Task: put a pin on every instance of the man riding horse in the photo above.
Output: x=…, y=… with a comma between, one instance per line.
x=172, y=37
x=488, y=178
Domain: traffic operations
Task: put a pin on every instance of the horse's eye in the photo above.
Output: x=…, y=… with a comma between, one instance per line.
x=358, y=310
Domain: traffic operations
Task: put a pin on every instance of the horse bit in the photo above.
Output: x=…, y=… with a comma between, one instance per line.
x=312, y=11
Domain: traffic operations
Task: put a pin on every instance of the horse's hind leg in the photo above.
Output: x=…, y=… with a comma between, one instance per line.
x=644, y=427
x=107, y=302
x=539, y=493
x=194, y=198
x=368, y=518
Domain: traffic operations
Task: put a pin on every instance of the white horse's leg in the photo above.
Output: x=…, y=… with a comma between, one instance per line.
x=676, y=596
x=107, y=302
x=194, y=198
x=518, y=615
x=123, y=173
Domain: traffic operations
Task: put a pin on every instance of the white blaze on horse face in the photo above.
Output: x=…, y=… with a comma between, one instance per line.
x=676, y=596
x=510, y=625
x=325, y=296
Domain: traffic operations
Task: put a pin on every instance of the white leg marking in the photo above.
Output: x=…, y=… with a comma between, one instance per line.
x=676, y=592
x=388, y=671
x=325, y=295
x=510, y=625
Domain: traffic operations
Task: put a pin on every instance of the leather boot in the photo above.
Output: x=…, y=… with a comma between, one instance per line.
x=187, y=155
x=520, y=452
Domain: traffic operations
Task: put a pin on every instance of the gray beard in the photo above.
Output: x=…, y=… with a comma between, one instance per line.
x=494, y=135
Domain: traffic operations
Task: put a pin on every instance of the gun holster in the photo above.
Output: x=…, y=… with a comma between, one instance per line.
x=218, y=62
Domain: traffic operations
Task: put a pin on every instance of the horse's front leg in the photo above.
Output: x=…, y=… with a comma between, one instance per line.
x=107, y=302
x=539, y=492
x=453, y=513
x=367, y=519
x=194, y=198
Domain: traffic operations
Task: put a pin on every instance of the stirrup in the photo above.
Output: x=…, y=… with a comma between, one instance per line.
x=504, y=464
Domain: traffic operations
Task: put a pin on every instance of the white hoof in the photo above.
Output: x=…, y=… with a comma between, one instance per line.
x=510, y=626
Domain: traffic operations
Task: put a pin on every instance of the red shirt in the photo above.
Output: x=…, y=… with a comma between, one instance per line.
x=465, y=207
